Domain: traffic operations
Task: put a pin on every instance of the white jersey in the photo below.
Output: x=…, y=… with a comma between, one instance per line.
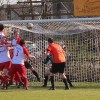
x=18, y=55
x=1, y=35
x=14, y=42
x=4, y=54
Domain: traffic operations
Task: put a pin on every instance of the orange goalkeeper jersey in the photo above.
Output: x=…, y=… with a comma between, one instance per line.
x=57, y=53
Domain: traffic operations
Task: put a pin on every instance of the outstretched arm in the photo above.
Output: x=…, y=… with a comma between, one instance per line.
x=30, y=57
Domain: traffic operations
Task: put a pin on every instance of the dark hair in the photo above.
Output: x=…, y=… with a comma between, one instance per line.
x=1, y=27
x=50, y=40
x=22, y=42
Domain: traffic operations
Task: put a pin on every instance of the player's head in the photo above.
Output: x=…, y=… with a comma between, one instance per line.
x=22, y=42
x=16, y=34
x=1, y=27
x=50, y=40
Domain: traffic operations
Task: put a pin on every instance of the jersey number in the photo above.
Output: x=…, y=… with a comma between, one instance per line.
x=17, y=53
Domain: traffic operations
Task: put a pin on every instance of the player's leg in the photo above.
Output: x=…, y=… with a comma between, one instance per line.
x=35, y=73
x=5, y=79
x=45, y=80
x=46, y=76
x=11, y=82
x=6, y=74
x=19, y=81
x=12, y=72
x=23, y=73
x=29, y=66
x=53, y=71
x=52, y=82
x=15, y=77
x=1, y=76
x=64, y=78
x=61, y=67
x=69, y=81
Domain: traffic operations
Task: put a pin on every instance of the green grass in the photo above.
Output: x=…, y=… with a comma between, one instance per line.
x=81, y=91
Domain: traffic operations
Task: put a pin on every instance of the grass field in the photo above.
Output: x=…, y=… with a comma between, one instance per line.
x=84, y=91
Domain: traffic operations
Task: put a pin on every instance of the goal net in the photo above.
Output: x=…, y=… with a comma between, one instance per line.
x=81, y=36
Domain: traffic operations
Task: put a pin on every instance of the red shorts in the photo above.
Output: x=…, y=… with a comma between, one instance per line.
x=18, y=68
x=5, y=65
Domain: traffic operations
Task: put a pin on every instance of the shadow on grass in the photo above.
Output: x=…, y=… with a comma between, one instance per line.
x=59, y=86
x=62, y=87
x=76, y=85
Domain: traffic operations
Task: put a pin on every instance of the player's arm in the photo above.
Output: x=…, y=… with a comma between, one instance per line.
x=26, y=52
x=46, y=60
x=48, y=51
x=5, y=44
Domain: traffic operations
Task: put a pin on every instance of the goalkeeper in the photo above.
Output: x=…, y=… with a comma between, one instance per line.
x=47, y=73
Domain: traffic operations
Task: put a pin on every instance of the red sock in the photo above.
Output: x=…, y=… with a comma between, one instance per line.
x=18, y=78
x=26, y=82
x=5, y=81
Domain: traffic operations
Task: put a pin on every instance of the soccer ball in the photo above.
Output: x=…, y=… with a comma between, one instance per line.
x=29, y=25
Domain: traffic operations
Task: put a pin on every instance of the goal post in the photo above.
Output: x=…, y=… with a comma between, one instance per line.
x=81, y=36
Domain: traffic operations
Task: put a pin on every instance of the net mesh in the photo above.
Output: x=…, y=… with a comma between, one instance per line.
x=80, y=36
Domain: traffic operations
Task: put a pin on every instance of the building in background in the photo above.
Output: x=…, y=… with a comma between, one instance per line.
x=37, y=9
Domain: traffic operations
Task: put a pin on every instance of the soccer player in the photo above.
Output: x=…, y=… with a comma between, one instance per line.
x=59, y=59
x=47, y=73
x=16, y=41
x=4, y=56
x=1, y=31
x=16, y=38
x=5, y=61
x=18, y=62
x=1, y=36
